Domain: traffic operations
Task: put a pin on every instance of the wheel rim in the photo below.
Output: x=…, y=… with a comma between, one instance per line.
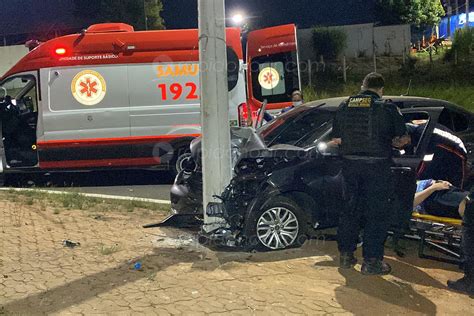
x=277, y=228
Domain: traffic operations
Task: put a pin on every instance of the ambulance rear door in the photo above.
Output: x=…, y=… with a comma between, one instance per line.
x=273, y=66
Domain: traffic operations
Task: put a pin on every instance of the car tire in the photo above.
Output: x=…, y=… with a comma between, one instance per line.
x=279, y=224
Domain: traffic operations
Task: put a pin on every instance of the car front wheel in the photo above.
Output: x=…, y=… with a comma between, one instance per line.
x=280, y=224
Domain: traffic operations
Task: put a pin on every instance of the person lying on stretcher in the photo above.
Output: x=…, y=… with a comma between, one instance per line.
x=441, y=198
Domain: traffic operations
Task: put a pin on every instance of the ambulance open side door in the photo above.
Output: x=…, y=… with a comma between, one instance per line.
x=273, y=71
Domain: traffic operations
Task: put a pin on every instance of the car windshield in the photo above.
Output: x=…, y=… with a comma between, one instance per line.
x=300, y=127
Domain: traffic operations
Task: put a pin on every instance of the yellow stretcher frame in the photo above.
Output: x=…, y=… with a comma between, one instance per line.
x=439, y=233
x=437, y=219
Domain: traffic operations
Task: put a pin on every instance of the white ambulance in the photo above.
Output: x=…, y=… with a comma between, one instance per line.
x=111, y=97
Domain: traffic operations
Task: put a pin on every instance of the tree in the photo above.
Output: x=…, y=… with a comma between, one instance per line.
x=329, y=42
x=139, y=13
x=153, y=15
x=418, y=12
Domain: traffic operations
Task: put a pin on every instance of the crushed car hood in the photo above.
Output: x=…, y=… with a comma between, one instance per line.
x=246, y=143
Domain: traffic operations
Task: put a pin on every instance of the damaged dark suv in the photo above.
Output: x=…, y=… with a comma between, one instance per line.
x=287, y=182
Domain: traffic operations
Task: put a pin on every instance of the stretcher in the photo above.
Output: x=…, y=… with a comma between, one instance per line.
x=442, y=234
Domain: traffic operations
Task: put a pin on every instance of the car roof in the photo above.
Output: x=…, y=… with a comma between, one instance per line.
x=401, y=101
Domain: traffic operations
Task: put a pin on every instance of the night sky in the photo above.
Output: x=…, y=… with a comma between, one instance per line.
x=47, y=16
x=305, y=13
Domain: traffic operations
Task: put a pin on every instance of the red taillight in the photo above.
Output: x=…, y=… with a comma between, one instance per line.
x=243, y=115
x=61, y=51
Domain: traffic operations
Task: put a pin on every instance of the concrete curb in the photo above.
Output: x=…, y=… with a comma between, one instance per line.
x=91, y=195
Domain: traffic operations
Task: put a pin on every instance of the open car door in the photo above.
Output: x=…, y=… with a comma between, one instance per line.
x=415, y=155
x=273, y=67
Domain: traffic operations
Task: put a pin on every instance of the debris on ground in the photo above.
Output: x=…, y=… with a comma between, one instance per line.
x=71, y=244
x=137, y=266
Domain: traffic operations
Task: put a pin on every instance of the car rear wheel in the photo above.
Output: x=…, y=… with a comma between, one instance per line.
x=279, y=224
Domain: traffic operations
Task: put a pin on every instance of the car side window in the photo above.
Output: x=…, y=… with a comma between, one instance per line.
x=455, y=121
x=460, y=122
x=445, y=119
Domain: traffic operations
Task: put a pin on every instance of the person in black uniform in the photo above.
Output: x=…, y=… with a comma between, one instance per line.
x=365, y=128
x=466, y=283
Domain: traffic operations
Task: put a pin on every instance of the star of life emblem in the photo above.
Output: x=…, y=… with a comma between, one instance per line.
x=89, y=87
x=269, y=78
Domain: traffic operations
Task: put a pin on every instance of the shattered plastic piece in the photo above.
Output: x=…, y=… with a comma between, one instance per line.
x=71, y=244
x=137, y=266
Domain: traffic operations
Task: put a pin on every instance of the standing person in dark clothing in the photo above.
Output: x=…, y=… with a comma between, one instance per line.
x=466, y=283
x=365, y=128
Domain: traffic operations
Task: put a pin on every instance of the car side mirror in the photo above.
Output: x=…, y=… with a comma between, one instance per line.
x=327, y=150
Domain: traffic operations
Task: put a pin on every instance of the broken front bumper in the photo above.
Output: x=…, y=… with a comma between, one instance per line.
x=186, y=194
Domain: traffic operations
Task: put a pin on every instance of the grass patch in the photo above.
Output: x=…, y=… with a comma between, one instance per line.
x=76, y=201
x=439, y=80
x=151, y=276
x=462, y=95
x=108, y=250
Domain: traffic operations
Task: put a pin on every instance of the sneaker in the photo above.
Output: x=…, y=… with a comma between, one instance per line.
x=375, y=267
x=464, y=285
x=347, y=260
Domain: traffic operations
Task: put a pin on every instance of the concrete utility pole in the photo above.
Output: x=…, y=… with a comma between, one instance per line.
x=467, y=14
x=216, y=158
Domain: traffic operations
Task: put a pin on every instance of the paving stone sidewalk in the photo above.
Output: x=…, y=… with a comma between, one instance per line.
x=39, y=275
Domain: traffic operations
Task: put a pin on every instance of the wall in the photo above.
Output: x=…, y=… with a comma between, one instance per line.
x=10, y=55
x=393, y=40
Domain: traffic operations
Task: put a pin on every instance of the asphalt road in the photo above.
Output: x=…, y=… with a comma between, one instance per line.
x=133, y=183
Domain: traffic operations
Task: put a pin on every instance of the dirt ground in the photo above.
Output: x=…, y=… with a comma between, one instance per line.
x=39, y=275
